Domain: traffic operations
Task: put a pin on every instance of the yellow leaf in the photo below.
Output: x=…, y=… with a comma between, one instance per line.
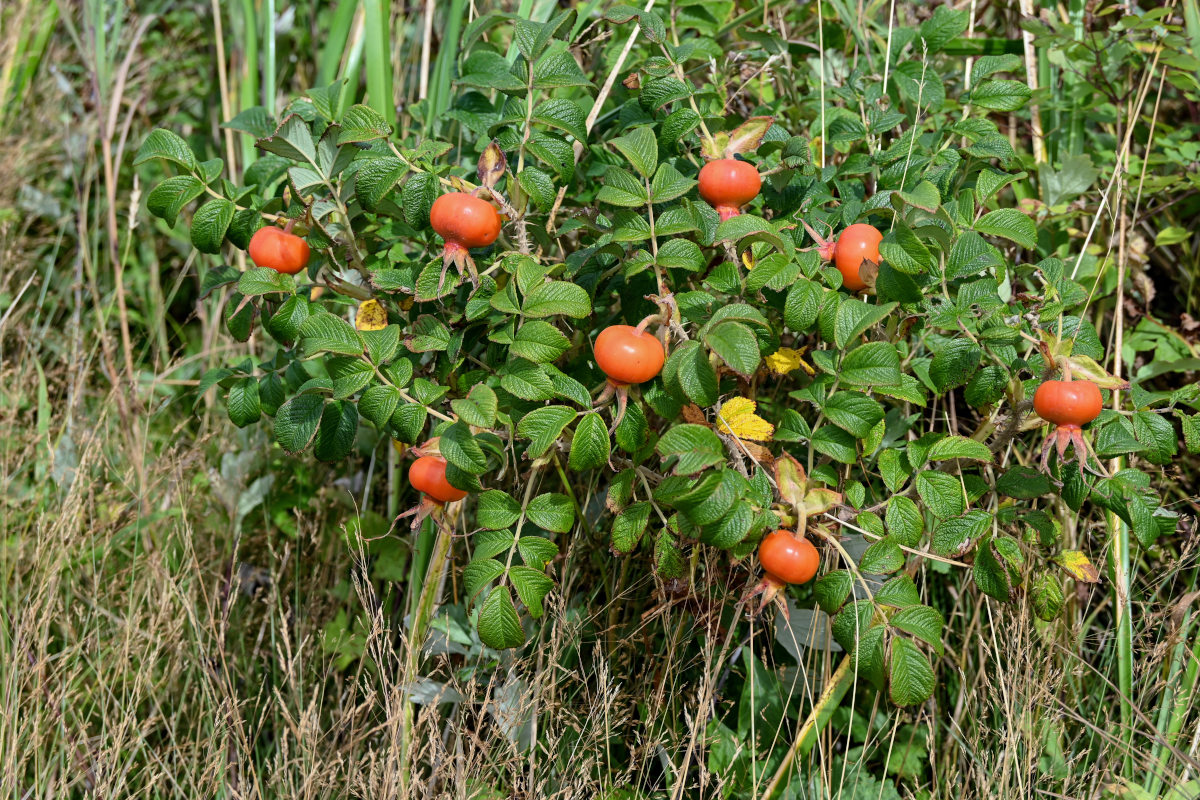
x=370, y=316
x=1076, y=563
x=785, y=359
x=737, y=418
x=748, y=259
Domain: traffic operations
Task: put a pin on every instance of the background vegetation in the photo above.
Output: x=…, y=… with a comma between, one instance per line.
x=189, y=611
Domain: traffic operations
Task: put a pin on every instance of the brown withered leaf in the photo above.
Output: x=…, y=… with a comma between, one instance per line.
x=633, y=81
x=692, y=414
x=759, y=453
x=492, y=165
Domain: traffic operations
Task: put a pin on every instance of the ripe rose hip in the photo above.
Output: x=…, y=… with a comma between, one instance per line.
x=727, y=184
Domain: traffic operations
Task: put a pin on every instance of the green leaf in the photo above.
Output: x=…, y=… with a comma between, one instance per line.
x=209, y=224
x=680, y=254
x=429, y=334
x=832, y=589
x=910, y=678
x=217, y=277
x=462, y=449
x=557, y=297
x=242, y=403
x=536, y=551
x=239, y=316
x=1000, y=95
x=375, y=178
x=563, y=114
x=882, y=557
x=543, y=426
x=954, y=364
x=971, y=255
x=668, y=561
x=640, y=149
x=258, y=281
x=629, y=526
x=899, y=592
x=906, y=253
x=853, y=412
x=408, y=421
x=991, y=576
x=924, y=196
x=590, y=446
x=552, y=512
x=904, y=521
x=378, y=403
x=622, y=188
x=694, y=446
x=532, y=586
x=923, y=622
x=540, y=342
x=1047, y=597
x=324, y=332
x=986, y=66
x=167, y=199
x=1011, y=224
x=1024, y=483
x=362, y=123
x=526, y=380
x=417, y=196
x=478, y=408
x=292, y=139
x=499, y=626
x=162, y=143
x=496, y=510
x=945, y=24
x=296, y=421
x=349, y=376
x=960, y=447
x=835, y=443
x=669, y=184
x=538, y=184
x=632, y=434
x=690, y=365
x=737, y=346
x=481, y=572
x=335, y=436
x=1157, y=436
x=750, y=228
x=871, y=364
x=956, y=535
x=942, y=493
x=894, y=469
x=802, y=305
x=854, y=317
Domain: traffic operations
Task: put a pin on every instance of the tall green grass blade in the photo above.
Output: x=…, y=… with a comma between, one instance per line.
x=248, y=84
x=334, y=45
x=379, y=60
x=352, y=70
x=270, y=87
x=1120, y=576
x=443, y=66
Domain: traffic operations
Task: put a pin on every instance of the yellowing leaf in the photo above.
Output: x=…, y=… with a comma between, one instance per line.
x=785, y=359
x=370, y=317
x=737, y=418
x=1076, y=563
x=748, y=259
